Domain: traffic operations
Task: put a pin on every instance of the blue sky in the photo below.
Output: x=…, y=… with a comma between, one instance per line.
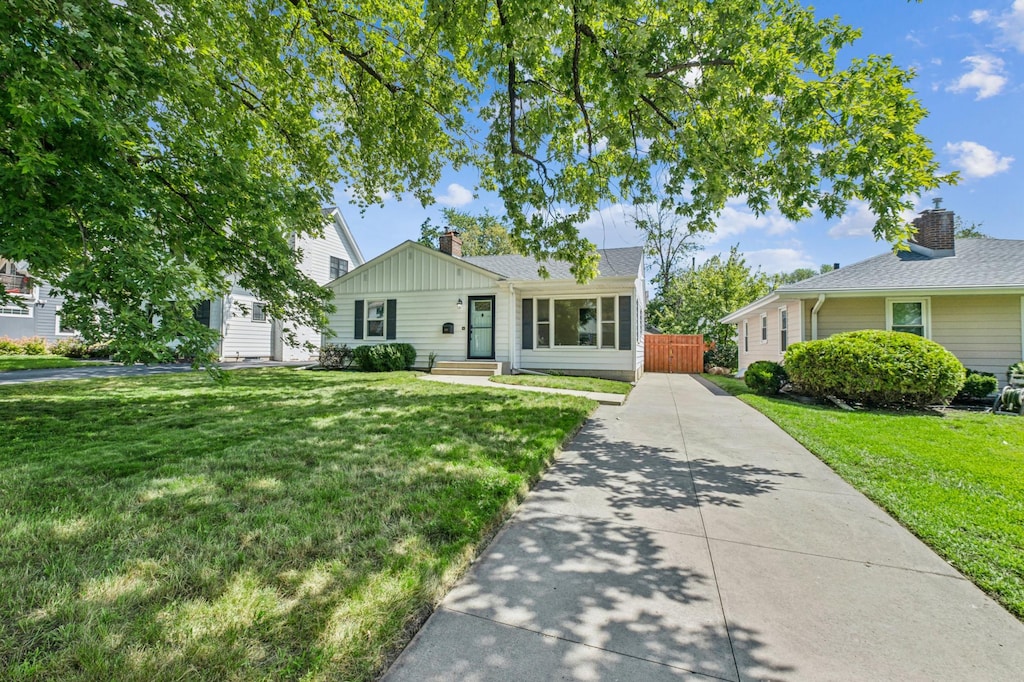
x=969, y=60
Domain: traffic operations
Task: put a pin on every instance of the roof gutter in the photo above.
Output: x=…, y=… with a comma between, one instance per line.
x=814, y=316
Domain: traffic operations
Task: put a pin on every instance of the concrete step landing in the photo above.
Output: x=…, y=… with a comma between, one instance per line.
x=470, y=368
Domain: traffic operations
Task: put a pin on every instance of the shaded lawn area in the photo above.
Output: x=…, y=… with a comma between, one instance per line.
x=285, y=524
x=10, y=363
x=571, y=383
x=955, y=479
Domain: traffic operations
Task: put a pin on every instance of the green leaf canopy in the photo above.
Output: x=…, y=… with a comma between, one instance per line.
x=150, y=153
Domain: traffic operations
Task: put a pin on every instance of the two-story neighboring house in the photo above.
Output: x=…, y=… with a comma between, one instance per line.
x=246, y=331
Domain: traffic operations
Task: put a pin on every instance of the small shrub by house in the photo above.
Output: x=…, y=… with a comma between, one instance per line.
x=336, y=356
x=873, y=367
x=385, y=357
x=765, y=377
x=978, y=385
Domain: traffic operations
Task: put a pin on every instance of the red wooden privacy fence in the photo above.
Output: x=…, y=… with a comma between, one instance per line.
x=674, y=353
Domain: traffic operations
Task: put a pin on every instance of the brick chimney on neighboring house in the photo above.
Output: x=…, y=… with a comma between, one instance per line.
x=451, y=243
x=934, y=237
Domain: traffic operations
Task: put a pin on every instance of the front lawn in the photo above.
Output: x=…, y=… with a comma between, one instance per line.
x=10, y=363
x=282, y=525
x=956, y=479
x=571, y=383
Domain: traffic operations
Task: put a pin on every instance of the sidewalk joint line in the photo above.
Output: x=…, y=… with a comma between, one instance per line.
x=703, y=525
x=584, y=644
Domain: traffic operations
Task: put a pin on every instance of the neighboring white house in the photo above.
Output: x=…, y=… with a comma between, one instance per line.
x=497, y=308
x=965, y=294
x=246, y=331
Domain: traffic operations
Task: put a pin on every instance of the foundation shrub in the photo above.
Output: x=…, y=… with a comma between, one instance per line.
x=978, y=385
x=387, y=357
x=876, y=368
x=765, y=377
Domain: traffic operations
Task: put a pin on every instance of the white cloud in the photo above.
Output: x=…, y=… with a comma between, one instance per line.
x=859, y=221
x=980, y=16
x=611, y=227
x=985, y=76
x=1010, y=23
x=976, y=160
x=911, y=38
x=456, y=196
x=779, y=260
x=736, y=218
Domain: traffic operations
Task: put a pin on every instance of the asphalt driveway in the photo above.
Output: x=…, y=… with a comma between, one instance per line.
x=685, y=536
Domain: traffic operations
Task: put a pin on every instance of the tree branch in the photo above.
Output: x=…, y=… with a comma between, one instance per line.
x=354, y=57
x=685, y=66
x=577, y=26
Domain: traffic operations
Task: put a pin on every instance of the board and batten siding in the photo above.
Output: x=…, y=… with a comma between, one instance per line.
x=419, y=318
x=412, y=269
x=426, y=288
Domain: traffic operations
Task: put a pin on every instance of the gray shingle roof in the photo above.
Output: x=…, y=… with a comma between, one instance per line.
x=623, y=262
x=977, y=263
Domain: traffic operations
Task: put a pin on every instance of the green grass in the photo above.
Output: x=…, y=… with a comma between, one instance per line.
x=955, y=479
x=571, y=383
x=10, y=363
x=281, y=525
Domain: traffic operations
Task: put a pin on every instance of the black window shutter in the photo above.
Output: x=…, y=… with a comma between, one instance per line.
x=625, y=315
x=527, y=324
x=360, y=308
x=392, y=314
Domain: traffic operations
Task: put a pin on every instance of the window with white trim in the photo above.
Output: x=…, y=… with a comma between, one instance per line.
x=910, y=315
x=375, y=319
x=15, y=311
x=764, y=327
x=259, y=313
x=577, y=322
x=783, y=328
x=746, y=336
x=59, y=328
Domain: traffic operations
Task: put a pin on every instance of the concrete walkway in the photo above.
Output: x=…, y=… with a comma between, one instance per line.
x=684, y=536
x=602, y=398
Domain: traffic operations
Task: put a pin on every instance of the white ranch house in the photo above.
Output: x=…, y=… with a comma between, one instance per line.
x=497, y=308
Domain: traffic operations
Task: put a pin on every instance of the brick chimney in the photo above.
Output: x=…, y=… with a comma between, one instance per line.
x=451, y=243
x=934, y=236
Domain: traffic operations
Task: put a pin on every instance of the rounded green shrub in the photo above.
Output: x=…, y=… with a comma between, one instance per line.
x=386, y=357
x=978, y=385
x=9, y=346
x=765, y=377
x=877, y=368
x=34, y=346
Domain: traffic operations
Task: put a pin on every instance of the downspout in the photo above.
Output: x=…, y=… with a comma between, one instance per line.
x=511, y=328
x=814, y=316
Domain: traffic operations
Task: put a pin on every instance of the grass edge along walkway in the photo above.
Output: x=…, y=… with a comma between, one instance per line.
x=952, y=478
x=279, y=525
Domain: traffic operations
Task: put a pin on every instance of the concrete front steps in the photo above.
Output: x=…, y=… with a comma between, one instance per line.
x=473, y=368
